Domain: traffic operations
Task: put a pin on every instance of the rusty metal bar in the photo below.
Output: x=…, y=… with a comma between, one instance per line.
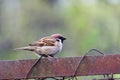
x=58, y=67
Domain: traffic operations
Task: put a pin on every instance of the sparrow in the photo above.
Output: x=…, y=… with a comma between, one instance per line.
x=46, y=46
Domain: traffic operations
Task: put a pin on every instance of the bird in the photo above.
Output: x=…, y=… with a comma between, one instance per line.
x=46, y=46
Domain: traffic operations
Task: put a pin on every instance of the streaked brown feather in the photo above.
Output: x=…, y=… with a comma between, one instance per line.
x=47, y=41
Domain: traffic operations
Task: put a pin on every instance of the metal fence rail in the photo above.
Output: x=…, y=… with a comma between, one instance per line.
x=59, y=67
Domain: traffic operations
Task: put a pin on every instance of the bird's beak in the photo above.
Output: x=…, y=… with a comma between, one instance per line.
x=64, y=38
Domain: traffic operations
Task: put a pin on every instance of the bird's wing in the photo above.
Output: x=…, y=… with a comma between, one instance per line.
x=46, y=41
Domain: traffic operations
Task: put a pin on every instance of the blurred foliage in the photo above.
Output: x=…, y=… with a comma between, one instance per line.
x=86, y=24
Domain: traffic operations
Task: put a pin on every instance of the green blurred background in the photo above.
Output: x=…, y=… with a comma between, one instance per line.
x=86, y=24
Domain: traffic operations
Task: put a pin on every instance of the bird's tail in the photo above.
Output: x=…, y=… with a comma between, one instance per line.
x=29, y=48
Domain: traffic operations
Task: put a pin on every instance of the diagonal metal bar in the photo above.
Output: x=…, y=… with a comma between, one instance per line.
x=58, y=67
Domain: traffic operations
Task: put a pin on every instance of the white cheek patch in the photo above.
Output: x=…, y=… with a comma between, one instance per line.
x=60, y=45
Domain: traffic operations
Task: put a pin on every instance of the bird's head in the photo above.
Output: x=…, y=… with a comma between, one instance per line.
x=59, y=36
